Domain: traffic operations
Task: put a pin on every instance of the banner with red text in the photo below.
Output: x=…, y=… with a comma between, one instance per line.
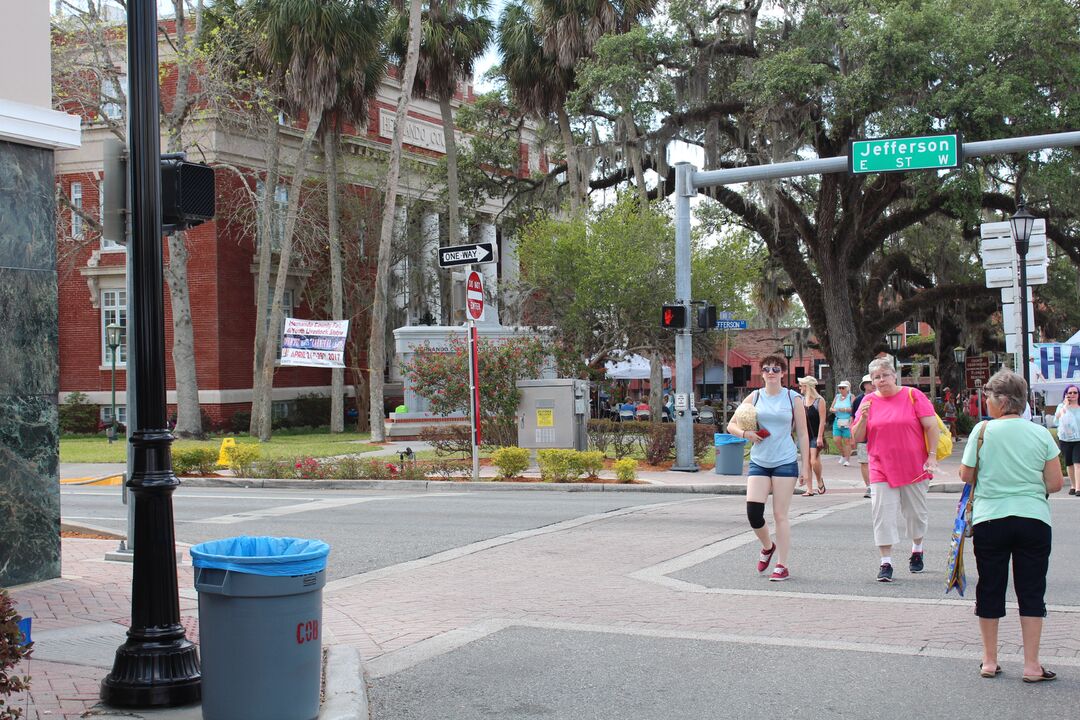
x=314, y=343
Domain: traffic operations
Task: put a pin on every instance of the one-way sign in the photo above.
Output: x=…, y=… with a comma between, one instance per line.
x=477, y=254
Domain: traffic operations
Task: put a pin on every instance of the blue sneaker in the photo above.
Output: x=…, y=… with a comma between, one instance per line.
x=885, y=573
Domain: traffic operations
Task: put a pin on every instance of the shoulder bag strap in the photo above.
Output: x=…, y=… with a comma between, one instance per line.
x=975, y=475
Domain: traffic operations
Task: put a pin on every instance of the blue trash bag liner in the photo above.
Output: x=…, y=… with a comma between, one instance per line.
x=270, y=556
x=726, y=439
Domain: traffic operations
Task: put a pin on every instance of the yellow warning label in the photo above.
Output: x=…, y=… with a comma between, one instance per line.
x=545, y=417
x=223, y=455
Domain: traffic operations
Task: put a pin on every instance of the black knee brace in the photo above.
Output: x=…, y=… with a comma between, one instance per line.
x=756, y=512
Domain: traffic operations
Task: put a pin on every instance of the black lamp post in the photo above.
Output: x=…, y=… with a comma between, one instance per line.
x=959, y=354
x=1022, y=221
x=789, y=351
x=895, y=339
x=112, y=341
x=157, y=666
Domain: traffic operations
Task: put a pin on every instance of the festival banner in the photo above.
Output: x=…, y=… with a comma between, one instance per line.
x=314, y=343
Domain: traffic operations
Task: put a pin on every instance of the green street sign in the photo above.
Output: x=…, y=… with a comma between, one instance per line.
x=931, y=152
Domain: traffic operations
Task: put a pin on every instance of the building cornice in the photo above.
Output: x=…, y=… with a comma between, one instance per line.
x=38, y=126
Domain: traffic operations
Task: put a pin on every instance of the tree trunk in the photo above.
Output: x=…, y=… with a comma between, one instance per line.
x=260, y=396
x=573, y=181
x=377, y=337
x=656, y=385
x=337, y=375
x=273, y=331
x=452, y=191
x=634, y=151
x=188, y=412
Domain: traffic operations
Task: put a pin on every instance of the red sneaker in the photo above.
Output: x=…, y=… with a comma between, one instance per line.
x=765, y=559
x=779, y=573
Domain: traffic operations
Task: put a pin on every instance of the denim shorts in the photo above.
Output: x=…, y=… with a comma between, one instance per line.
x=790, y=469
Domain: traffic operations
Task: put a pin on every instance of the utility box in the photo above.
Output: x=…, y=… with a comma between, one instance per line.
x=553, y=414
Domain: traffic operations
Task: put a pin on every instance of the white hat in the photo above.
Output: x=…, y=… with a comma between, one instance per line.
x=808, y=380
x=866, y=379
x=844, y=383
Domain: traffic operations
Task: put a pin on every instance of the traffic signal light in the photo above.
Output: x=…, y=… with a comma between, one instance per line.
x=706, y=317
x=187, y=193
x=673, y=317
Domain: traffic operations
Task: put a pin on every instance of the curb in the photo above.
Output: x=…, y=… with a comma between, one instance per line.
x=459, y=486
x=345, y=685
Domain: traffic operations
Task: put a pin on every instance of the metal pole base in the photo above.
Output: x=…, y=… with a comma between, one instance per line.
x=154, y=673
x=685, y=468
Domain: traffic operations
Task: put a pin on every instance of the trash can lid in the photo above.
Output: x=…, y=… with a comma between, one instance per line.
x=727, y=439
x=261, y=555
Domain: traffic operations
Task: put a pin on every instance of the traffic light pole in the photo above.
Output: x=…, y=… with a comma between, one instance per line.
x=684, y=382
x=688, y=181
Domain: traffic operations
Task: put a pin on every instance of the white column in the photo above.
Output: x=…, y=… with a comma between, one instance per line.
x=399, y=273
x=511, y=275
x=490, y=272
x=430, y=299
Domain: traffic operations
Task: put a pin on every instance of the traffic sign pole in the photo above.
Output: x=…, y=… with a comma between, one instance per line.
x=474, y=399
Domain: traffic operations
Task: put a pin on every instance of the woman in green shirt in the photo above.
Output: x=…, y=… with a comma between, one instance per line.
x=1017, y=466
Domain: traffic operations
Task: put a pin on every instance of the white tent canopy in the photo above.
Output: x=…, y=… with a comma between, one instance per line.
x=632, y=367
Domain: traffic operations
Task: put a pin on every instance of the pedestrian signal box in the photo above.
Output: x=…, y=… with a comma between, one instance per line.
x=673, y=317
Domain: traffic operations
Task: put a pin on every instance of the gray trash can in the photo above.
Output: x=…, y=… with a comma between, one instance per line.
x=260, y=627
x=729, y=454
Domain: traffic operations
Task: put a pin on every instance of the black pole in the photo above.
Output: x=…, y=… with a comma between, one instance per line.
x=157, y=666
x=1022, y=250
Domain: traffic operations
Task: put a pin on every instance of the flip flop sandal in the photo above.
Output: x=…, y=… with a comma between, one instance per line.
x=821, y=488
x=1045, y=676
x=987, y=674
x=807, y=493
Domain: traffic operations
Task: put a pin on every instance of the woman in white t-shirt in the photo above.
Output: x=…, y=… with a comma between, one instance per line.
x=1068, y=432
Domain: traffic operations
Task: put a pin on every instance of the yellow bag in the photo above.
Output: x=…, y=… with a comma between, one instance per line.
x=945, y=441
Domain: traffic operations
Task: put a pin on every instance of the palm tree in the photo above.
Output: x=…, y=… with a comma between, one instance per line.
x=317, y=46
x=452, y=37
x=377, y=333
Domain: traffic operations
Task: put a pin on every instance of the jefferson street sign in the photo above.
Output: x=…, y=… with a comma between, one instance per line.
x=477, y=254
x=730, y=324
x=931, y=152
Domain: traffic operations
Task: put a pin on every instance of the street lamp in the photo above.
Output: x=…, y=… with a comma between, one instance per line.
x=1022, y=221
x=156, y=666
x=894, y=339
x=112, y=340
x=789, y=351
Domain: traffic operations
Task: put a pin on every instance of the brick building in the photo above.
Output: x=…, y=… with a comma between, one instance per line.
x=221, y=253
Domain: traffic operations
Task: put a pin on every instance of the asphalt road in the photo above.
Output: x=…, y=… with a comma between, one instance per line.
x=366, y=530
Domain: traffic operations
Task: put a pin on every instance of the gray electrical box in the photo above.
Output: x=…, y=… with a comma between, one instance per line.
x=553, y=414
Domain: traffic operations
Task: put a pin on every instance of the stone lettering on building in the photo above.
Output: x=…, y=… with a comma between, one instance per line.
x=418, y=133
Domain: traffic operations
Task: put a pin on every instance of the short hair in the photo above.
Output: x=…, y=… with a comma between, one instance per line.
x=885, y=362
x=773, y=360
x=1009, y=391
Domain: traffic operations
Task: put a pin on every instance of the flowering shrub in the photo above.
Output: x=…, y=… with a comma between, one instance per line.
x=443, y=377
x=200, y=461
x=242, y=458
x=309, y=467
x=556, y=465
x=589, y=463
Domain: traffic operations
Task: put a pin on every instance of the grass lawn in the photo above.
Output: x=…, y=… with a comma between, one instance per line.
x=92, y=449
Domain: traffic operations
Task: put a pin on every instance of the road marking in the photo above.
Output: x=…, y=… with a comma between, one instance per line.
x=312, y=506
x=394, y=662
x=660, y=574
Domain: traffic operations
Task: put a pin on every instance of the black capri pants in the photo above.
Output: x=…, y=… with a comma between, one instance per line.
x=1070, y=449
x=1026, y=542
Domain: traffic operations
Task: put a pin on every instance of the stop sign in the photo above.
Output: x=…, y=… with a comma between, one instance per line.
x=474, y=296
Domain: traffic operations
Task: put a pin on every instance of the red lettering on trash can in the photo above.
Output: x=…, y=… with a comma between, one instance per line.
x=307, y=631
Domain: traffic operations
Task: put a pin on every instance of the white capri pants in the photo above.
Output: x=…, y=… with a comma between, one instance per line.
x=888, y=504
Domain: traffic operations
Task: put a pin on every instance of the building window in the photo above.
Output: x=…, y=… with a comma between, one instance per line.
x=286, y=312
x=121, y=414
x=76, y=208
x=911, y=327
x=281, y=206
x=279, y=409
x=111, y=104
x=114, y=310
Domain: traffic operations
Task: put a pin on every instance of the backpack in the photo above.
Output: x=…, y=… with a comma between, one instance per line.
x=945, y=441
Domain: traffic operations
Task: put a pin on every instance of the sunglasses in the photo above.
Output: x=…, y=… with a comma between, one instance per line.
x=771, y=368
x=1072, y=392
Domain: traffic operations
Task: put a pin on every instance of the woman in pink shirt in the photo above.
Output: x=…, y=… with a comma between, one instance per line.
x=898, y=424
